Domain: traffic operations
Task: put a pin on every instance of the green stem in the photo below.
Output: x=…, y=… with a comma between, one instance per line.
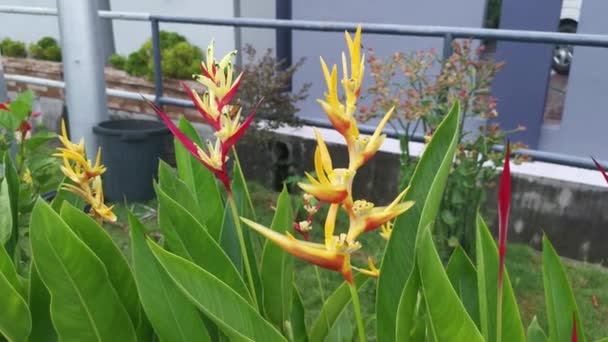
x=499, y=314
x=323, y=312
x=357, y=308
x=239, y=230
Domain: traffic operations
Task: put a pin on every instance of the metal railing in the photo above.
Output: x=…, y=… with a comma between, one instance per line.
x=448, y=34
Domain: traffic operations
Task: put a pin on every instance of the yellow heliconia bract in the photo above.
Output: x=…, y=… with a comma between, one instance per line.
x=334, y=185
x=86, y=177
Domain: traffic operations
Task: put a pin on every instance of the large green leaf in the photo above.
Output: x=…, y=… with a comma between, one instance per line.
x=277, y=267
x=13, y=183
x=186, y=237
x=426, y=189
x=179, y=191
x=535, y=332
x=10, y=273
x=333, y=307
x=6, y=215
x=487, y=284
x=84, y=304
x=298, y=318
x=15, y=318
x=406, y=312
x=448, y=317
x=171, y=314
x=343, y=330
x=39, y=301
x=200, y=180
x=559, y=299
x=463, y=277
x=226, y=308
x=119, y=272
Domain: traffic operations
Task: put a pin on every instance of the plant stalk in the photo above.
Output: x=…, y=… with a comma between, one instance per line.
x=322, y=292
x=357, y=308
x=239, y=230
x=499, y=313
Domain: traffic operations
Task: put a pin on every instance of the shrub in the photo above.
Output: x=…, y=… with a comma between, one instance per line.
x=181, y=60
x=46, y=49
x=117, y=61
x=137, y=64
x=12, y=48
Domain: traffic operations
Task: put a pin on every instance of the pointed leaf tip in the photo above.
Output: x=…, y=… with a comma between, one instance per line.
x=504, y=203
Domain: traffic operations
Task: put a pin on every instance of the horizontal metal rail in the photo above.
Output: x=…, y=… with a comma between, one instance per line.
x=445, y=32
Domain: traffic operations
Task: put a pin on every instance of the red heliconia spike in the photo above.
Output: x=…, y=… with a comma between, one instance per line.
x=599, y=167
x=4, y=106
x=213, y=71
x=231, y=93
x=239, y=133
x=36, y=114
x=204, y=114
x=188, y=144
x=223, y=177
x=205, y=71
x=574, y=333
x=504, y=202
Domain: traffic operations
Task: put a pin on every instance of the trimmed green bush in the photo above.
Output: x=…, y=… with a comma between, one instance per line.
x=117, y=61
x=46, y=49
x=12, y=48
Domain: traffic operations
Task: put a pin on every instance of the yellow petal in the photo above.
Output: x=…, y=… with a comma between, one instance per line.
x=325, y=193
x=330, y=223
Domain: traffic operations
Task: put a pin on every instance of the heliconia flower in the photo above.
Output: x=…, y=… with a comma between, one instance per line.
x=386, y=230
x=332, y=185
x=366, y=217
x=82, y=171
x=357, y=64
x=373, y=271
x=314, y=253
x=212, y=159
x=601, y=169
x=504, y=202
x=27, y=176
x=365, y=147
x=207, y=106
x=217, y=77
x=232, y=129
x=5, y=106
x=343, y=121
x=94, y=197
x=67, y=144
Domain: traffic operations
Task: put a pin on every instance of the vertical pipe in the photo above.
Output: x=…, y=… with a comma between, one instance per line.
x=83, y=69
x=238, y=33
x=283, y=35
x=447, y=45
x=158, y=76
x=107, y=31
x=3, y=89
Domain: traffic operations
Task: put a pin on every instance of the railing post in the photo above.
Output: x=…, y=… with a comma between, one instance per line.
x=83, y=69
x=158, y=76
x=3, y=89
x=448, y=39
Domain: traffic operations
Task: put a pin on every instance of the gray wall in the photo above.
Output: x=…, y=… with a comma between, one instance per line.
x=330, y=45
x=585, y=120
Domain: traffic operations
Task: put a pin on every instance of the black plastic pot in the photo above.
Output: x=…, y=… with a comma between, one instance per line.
x=130, y=151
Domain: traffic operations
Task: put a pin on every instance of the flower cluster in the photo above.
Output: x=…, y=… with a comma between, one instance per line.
x=86, y=178
x=334, y=185
x=25, y=127
x=215, y=108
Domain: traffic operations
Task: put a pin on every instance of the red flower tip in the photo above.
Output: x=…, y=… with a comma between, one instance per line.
x=504, y=202
x=213, y=122
x=5, y=106
x=239, y=133
x=601, y=169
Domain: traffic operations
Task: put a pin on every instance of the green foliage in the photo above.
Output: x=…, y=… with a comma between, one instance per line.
x=12, y=48
x=46, y=49
x=118, y=61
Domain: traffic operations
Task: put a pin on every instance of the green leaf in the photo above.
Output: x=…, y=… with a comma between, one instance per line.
x=13, y=183
x=463, y=277
x=6, y=215
x=298, y=318
x=277, y=266
x=559, y=299
x=171, y=314
x=10, y=273
x=229, y=240
x=406, y=312
x=343, y=330
x=226, y=308
x=39, y=138
x=333, y=307
x=535, y=332
x=15, y=318
x=178, y=191
x=200, y=180
x=487, y=285
x=21, y=107
x=39, y=301
x=426, y=189
x=119, y=272
x=84, y=304
x=186, y=237
x=448, y=317
x=65, y=196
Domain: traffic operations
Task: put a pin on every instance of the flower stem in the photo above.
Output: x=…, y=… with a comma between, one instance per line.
x=357, y=308
x=322, y=292
x=499, y=314
x=239, y=230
